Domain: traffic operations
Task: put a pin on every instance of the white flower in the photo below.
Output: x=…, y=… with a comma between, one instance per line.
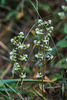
x=36, y=42
x=40, y=21
x=52, y=56
x=39, y=75
x=13, y=57
x=41, y=30
x=36, y=56
x=45, y=22
x=18, y=44
x=13, y=52
x=21, y=46
x=62, y=6
x=38, y=31
x=28, y=45
x=39, y=55
x=48, y=34
x=46, y=41
x=21, y=33
x=50, y=49
x=61, y=14
x=49, y=21
x=51, y=27
x=12, y=40
x=66, y=59
x=24, y=57
x=16, y=67
x=23, y=75
x=48, y=56
x=21, y=37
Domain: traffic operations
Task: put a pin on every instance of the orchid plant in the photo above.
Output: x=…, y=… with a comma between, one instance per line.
x=17, y=55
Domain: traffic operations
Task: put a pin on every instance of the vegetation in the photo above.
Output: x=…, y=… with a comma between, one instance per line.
x=33, y=49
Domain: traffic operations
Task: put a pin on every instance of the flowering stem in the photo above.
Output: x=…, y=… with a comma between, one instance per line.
x=43, y=62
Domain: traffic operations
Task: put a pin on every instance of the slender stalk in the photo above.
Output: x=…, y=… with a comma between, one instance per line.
x=24, y=80
x=43, y=61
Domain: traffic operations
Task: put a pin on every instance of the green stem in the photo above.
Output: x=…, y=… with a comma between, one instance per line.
x=24, y=80
x=43, y=62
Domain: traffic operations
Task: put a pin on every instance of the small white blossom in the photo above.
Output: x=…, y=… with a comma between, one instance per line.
x=36, y=42
x=16, y=67
x=21, y=46
x=45, y=22
x=62, y=6
x=45, y=41
x=21, y=33
x=13, y=57
x=36, y=55
x=50, y=49
x=38, y=31
x=12, y=40
x=21, y=37
x=39, y=55
x=66, y=59
x=50, y=56
x=50, y=29
x=49, y=21
x=61, y=14
x=28, y=45
x=39, y=75
x=24, y=57
x=13, y=52
x=48, y=34
x=40, y=21
x=23, y=75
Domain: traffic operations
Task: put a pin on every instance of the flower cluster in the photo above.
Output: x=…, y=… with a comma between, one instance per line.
x=16, y=67
x=45, y=39
x=17, y=55
x=44, y=31
x=13, y=55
